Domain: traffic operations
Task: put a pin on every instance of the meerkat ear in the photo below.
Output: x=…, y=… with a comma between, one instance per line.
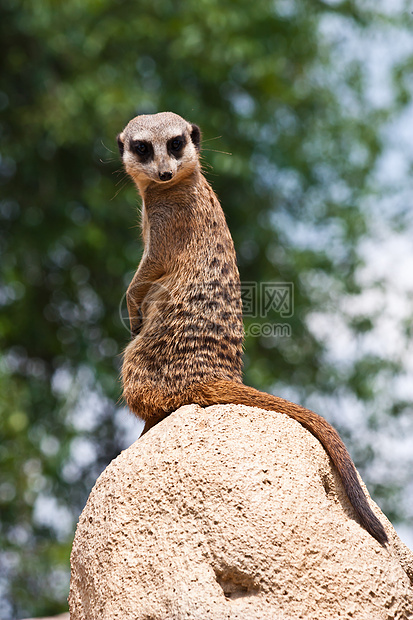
x=121, y=145
x=196, y=137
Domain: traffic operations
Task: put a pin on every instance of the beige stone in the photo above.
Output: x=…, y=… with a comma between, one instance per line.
x=231, y=512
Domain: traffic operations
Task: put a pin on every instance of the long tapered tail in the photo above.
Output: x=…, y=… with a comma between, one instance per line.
x=223, y=392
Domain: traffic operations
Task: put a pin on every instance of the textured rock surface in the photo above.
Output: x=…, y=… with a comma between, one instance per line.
x=230, y=512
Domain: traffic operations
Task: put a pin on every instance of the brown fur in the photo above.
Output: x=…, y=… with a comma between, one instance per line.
x=184, y=301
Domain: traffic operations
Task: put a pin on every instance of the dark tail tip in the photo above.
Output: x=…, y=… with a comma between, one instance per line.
x=374, y=527
x=365, y=514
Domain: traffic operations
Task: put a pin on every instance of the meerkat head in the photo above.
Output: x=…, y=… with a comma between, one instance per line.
x=159, y=148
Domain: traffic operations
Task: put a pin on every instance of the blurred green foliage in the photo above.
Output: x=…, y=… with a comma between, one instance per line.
x=261, y=81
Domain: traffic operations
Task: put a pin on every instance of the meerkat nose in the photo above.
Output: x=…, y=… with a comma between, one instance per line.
x=165, y=176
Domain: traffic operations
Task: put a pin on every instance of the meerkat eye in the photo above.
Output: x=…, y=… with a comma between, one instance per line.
x=176, y=144
x=141, y=148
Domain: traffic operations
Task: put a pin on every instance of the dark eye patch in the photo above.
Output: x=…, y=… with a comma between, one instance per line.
x=176, y=146
x=142, y=148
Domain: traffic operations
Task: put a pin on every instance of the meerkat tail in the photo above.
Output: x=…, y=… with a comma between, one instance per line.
x=223, y=392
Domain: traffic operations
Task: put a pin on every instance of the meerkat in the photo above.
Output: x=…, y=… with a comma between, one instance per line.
x=184, y=301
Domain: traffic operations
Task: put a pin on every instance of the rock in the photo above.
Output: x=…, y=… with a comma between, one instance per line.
x=231, y=512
